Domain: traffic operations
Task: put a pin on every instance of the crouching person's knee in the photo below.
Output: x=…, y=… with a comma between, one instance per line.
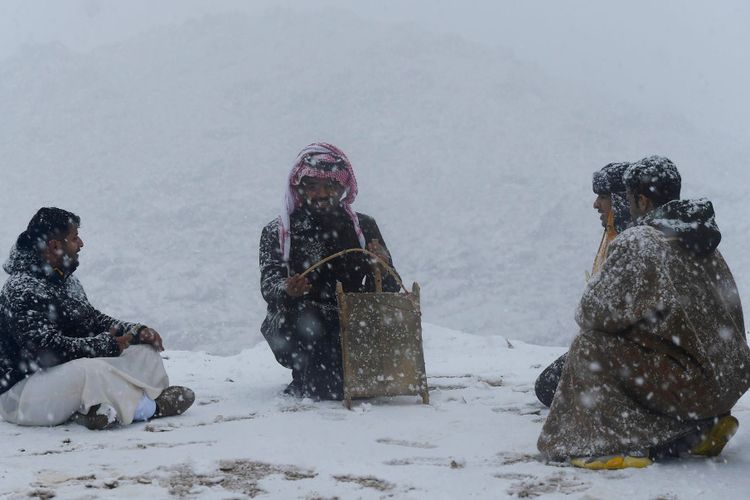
x=547, y=382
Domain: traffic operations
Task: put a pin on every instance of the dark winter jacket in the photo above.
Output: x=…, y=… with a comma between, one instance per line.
x=314, y=237
x=46, y=320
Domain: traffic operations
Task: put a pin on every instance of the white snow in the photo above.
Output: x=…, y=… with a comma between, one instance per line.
x=476, y=439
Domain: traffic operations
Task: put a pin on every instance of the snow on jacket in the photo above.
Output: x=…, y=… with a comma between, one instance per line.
x=314, y=237
x=668, y=284
x=46, y=319
x=662, y=340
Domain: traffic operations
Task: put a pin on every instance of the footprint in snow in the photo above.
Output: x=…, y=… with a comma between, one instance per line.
x=408, y=444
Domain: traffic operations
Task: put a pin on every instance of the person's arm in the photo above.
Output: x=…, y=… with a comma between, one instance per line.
x=275, y=284
x=96, y=321
x=376, y=244
x=125, y=333
x=726, y=288
x=41, y=340
x=631, y=289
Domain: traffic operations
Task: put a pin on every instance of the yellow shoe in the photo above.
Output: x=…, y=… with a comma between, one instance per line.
x=717, y=438
x=611, y=462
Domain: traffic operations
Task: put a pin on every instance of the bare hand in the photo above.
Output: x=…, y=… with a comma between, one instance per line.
x=151, y=337
x=297, y=285
x=123, y=341
x=378, y=249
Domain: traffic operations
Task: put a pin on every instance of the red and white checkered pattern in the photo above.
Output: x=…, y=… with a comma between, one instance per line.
x=300, y=169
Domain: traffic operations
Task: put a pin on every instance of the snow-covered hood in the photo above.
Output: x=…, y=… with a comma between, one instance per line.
x=692, y=222
x=21, y=260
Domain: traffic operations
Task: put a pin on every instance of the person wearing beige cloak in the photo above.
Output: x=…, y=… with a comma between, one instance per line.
x=661, y=357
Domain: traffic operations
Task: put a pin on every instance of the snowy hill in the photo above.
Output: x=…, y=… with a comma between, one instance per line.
x=477, y=439
x=174, y=147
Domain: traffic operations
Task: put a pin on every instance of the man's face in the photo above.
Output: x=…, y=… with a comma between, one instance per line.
x=603, y=205
x=639, y=205
x=320, y=194
x=68, y=249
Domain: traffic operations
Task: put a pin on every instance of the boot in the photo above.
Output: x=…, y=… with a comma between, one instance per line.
x=611, y=462
x=174, y=400
x=295, y=388
x=714, y=441
x=92, y=420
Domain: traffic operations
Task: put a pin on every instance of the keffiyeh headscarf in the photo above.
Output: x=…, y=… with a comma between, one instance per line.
x=324, y=161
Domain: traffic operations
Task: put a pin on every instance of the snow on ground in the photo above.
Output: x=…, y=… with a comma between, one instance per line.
x=476, y=439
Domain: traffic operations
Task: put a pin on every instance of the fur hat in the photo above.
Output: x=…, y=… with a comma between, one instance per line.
x=655, y=177
x=609, y=180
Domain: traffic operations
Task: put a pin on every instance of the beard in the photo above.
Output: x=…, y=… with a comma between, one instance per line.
x=70, y=263
x=322, y=206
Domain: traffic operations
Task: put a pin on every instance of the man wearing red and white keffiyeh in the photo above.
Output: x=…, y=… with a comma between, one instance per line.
x=316, y=220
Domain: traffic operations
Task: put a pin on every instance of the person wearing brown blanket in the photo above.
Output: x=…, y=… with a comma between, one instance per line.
x=661, y=357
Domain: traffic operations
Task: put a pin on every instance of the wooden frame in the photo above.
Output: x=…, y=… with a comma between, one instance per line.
x=381, y=344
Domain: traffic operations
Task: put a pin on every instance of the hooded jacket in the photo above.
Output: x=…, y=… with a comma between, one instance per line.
x=46, y=319
x=662, y=340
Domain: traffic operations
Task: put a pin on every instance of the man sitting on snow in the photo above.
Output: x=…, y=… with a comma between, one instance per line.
x=662, y=357
x=612, y=205
x=59, y=356
x=302, y=323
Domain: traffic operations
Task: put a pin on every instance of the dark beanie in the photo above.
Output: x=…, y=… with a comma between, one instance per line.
x=609, y=179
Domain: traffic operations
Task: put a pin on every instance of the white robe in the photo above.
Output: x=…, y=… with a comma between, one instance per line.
x=50, y=397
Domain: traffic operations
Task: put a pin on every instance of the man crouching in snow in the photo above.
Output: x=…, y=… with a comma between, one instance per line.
x=614, y=214
x=60, y=357
x=316, y=221
x=662, y=357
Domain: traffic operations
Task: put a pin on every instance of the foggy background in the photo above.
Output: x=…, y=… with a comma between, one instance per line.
x=473, y=128
x=688, y=56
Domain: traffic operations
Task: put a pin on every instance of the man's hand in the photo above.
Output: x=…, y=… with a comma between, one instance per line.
x=297, y=286
x=378, y=249
x=151, y=337
x=123, y=341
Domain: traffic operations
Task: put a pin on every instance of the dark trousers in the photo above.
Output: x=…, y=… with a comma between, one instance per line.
x=308, y=342
x=546, y=383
